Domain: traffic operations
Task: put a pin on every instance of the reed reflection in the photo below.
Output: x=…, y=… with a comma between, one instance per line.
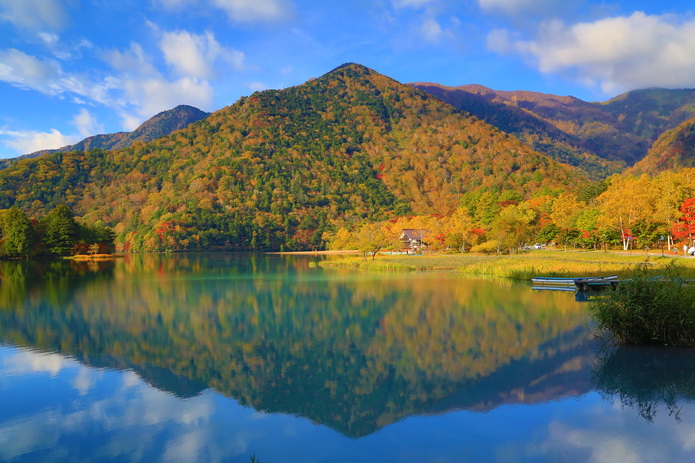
x=650, y=380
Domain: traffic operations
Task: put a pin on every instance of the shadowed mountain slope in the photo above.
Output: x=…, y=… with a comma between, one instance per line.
x=620, y=130
x=674, y=149
x=502, y=111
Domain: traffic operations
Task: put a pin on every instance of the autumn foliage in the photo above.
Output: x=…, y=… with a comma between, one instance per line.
x=684, y=229
x=289, y=169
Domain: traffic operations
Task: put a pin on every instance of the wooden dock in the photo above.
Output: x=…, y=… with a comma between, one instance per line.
x=572, y=284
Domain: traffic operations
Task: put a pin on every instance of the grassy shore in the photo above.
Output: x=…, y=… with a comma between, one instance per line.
x=552, y=263
x=96, y=256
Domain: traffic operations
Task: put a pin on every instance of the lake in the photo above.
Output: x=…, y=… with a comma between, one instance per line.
x=224, y=357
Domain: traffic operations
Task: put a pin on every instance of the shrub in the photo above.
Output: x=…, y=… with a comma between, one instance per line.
x=649, y=310
x=488, y=247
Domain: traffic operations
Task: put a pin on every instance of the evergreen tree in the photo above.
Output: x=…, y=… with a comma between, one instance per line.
x=60, y=231
x=96, y=234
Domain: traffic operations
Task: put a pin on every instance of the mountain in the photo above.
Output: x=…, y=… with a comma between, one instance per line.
x=156, y=127
x=278, y=168
x=619, y=131
x=649, y=112
x=674, y=149
x=502, y=109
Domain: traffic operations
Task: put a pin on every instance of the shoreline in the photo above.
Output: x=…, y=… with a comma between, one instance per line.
x=315, y=253
x=96, y=256
x=548, y=263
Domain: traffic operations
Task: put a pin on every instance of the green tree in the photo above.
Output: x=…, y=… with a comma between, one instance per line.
x=96, y=234
x=485, y=209
x=60, y=231
x=513, y=227
x=548, y=233
x=18, y=234
x=649, y=234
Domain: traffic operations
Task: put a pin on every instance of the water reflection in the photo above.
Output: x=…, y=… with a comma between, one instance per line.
x=120, y=418
x=356, y=352
x=353, y=351
x=648, y=379
x=117, y=417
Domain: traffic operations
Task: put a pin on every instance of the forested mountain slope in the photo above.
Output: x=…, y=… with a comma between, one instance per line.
x=674, y=149
x=278, y=168
x=157, y=126
x=535, y=131
x=620, y=130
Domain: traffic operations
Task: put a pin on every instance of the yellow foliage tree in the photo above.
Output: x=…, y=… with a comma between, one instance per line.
x=627, y=201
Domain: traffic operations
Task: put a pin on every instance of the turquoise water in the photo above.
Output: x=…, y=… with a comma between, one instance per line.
x=223, y=357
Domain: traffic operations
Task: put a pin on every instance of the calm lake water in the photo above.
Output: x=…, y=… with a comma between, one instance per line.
x=221, y=357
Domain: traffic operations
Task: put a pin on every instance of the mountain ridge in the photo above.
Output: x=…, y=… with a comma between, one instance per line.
x=159, y=125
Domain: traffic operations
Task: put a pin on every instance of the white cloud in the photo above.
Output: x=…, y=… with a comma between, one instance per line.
x=86, y=124
x=194, y=55
x=242, y=10
x=132, y=86
x=136, y=90
x=85, y=381
x=619, y=53
x=47, y=76
x=256, y=10
x=25, y=71
x=34, y=14
x=30, y=141
x=130, y=121
x=27, y=434
x=431, y=31
x=153, y=95
x=132, y=60
x=188, y=447
x=52, y=41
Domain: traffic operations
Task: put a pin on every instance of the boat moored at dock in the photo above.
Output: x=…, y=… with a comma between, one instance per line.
x=581, y=283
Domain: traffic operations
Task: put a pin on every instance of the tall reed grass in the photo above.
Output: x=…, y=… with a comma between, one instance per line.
x=649, y=310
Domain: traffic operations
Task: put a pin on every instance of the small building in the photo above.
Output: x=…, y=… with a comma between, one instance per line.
x=413, y=239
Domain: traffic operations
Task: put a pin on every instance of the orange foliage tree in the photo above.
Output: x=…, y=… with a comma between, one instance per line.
x=684, y=228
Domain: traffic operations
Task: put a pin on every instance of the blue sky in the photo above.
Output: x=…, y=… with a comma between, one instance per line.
x=74, y=68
